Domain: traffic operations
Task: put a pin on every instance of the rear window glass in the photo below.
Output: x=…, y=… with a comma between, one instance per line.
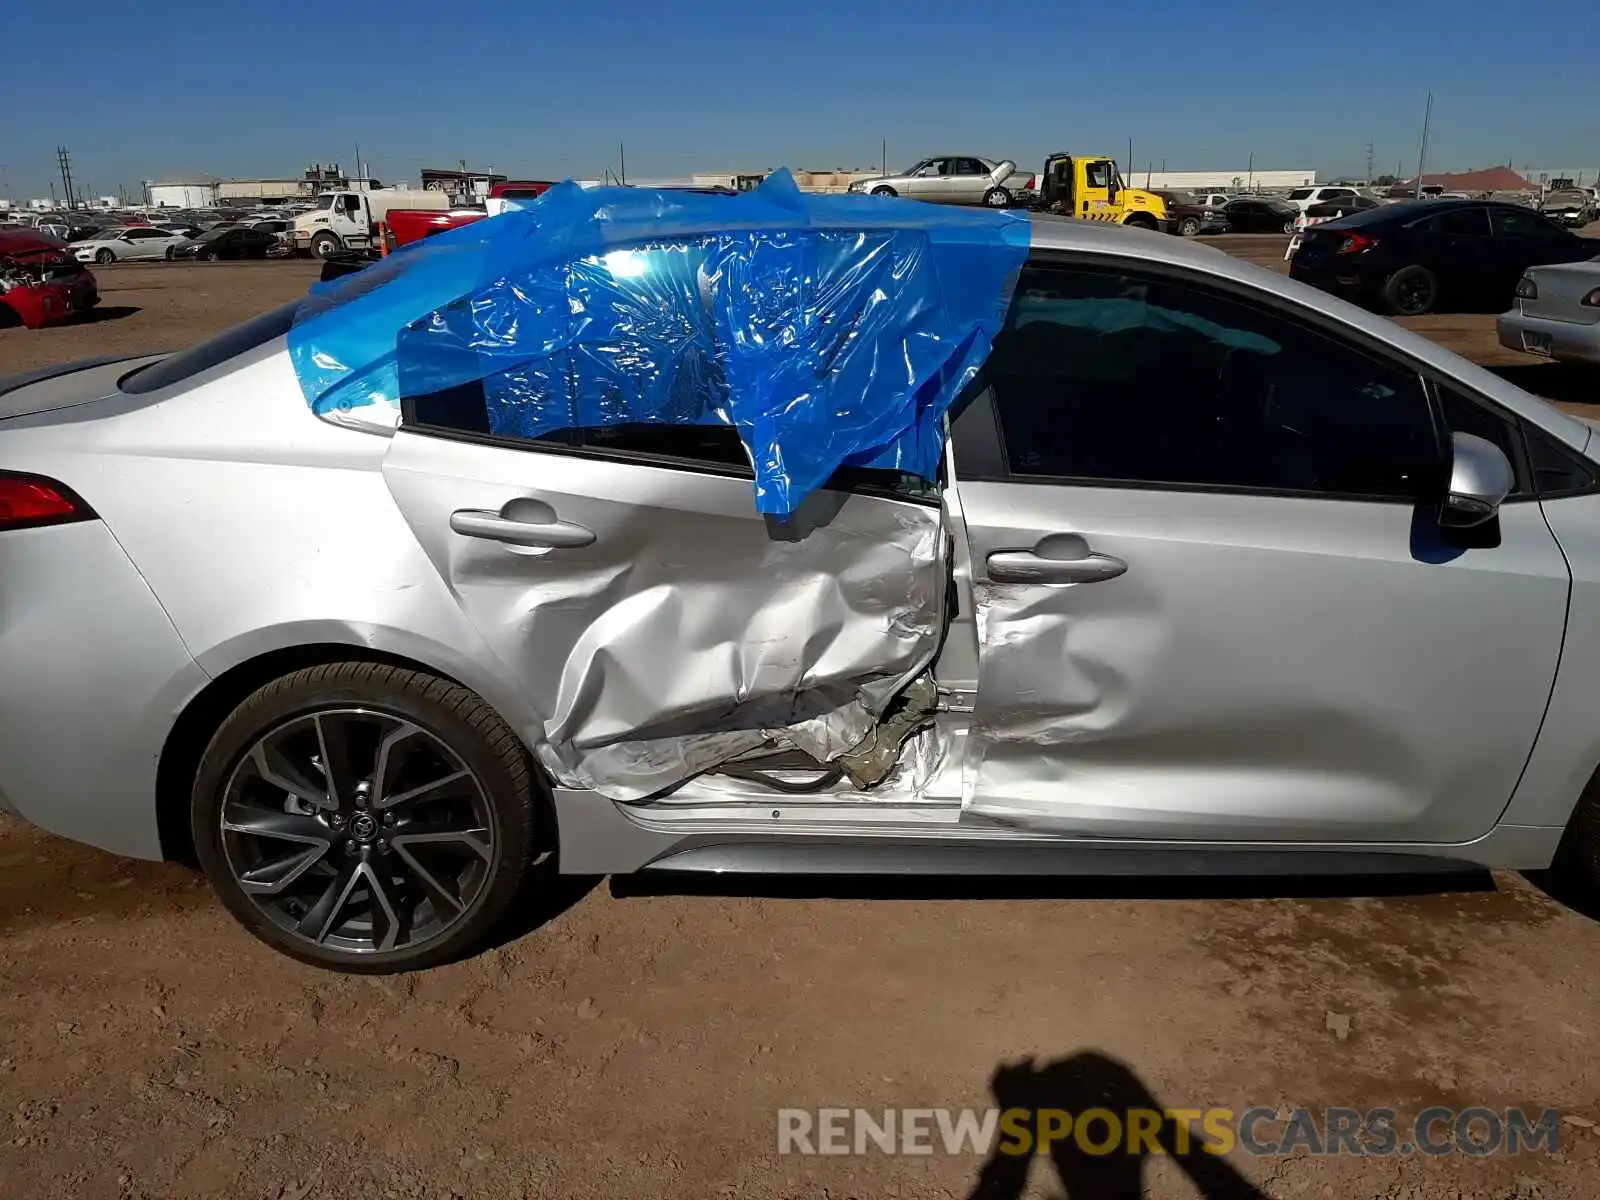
x=206, y=355
x=262, y=329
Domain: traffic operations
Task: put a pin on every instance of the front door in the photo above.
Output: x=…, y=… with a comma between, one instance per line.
x=1213, y=598
x=1094, y=188
x=934, y=183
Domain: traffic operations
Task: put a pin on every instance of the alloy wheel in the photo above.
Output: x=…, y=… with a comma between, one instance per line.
x=1413, y=293
x=358, y=831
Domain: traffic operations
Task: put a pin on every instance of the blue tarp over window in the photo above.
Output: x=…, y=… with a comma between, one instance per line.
x=830, y=331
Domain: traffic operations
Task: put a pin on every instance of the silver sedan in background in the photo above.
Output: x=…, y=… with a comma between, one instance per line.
x=954, y=179
x=1557, y=314
x=1225, y=574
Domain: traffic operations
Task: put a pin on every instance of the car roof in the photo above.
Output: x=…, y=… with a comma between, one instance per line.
x=1144, y=247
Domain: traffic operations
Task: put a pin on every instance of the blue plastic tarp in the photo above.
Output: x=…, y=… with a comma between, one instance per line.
x=829, y=331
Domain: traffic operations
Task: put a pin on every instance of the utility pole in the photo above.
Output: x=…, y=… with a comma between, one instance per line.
x=885, y=156
x=1422, y=152
x=1250, y=184
x=622, y=162
x=65, y=161
x=1130, y=158
x=1369, y=164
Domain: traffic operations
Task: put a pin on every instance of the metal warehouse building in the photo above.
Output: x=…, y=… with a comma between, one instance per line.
x=194, y=191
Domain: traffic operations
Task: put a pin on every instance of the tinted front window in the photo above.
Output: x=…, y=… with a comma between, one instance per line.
x=1106, y=377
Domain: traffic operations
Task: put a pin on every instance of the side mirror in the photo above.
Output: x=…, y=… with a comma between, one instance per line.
x=1480, y=479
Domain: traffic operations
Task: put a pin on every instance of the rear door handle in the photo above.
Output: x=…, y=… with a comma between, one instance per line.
x=555, y=535
x=1024, y=566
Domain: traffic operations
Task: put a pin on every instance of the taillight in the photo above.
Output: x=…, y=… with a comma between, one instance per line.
x=1033, y=183
x=1356, y=243
x=28, y=501
x=1592, y=300
x=1527, y=289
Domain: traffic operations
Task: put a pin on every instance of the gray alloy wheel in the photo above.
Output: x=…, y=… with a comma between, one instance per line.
x=1189, y=226
x=104, y=257
x=884, y=191
x=365, y=817
x=997, y=197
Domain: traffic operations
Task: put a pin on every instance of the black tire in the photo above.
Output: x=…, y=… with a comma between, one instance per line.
x=449, y=732
x=1141, y=221
x=325, y=244
x=171, y=254
x=207, y=256
x=1288, y=227
x=1189, y=226
x=1410, y=291
x=884, y=191
x=104, y=257
x=997, y=197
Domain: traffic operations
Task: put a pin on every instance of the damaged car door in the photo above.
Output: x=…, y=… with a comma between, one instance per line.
x=1214, y=600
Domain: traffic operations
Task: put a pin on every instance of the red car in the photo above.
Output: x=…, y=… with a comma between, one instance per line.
x=40, y=280
x=407, y=225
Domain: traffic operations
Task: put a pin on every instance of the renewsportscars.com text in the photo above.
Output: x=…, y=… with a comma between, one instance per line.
x=1177, y=1131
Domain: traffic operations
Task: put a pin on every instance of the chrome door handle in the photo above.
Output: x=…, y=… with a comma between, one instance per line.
x=1024, y=566
x=556, y=535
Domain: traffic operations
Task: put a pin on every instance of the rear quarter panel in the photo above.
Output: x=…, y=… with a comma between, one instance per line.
x=258, y=526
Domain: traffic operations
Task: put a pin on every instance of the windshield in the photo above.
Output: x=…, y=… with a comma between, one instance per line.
x=917, y=166
x=324, y=201
x=212, y=235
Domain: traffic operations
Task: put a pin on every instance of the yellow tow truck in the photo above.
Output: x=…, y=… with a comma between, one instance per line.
x=1090, y=188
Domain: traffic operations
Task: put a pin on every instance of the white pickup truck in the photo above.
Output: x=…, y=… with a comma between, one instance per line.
x=349, y=220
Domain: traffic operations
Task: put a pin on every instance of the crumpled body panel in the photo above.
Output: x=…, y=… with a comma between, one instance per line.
x=689, y=668
x=828, y=331
x=692, y=630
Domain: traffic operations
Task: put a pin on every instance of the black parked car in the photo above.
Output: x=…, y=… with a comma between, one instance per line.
x=1251, y=214
x=1420, y=255
x=229, y=241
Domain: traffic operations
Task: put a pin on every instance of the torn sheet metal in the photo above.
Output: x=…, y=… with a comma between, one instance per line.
x=829, y=331
x=719, y=641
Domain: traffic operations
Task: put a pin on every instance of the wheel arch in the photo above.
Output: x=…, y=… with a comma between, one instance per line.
x=1140, y=220
x=205, y=711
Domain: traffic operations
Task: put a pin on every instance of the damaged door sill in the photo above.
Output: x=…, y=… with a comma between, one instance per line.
x=811, y=812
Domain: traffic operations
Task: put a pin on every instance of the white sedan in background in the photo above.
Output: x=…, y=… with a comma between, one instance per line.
x=1557, y=313
x=120, y=245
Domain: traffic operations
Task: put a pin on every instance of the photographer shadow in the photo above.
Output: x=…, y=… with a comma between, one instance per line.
x=1075, y=1085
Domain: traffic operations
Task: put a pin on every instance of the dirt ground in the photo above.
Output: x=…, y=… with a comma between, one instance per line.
x=634, y=1042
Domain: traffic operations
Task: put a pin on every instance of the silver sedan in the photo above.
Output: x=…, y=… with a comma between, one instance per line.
x=953, y=179
x=1239, y=578
x=1557, y=313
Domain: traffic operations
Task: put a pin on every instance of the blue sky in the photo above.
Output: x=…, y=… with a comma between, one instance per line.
x=549, y=89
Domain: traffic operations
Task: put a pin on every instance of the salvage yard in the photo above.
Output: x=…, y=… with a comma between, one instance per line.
x=633, y=1040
